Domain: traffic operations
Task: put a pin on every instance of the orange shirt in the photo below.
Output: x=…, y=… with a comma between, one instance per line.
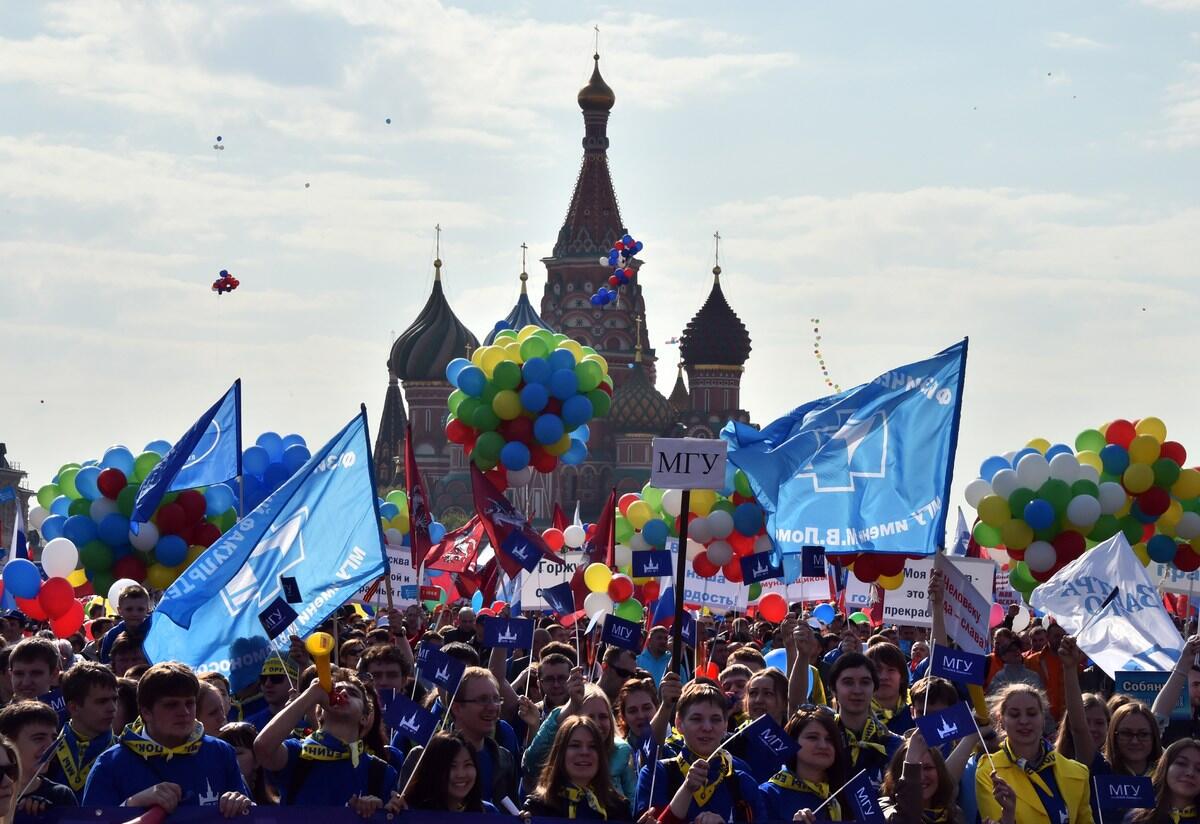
x=1049, y=666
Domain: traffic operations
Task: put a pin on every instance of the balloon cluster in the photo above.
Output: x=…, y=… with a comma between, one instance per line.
x=225, y=282
x=272, y=460
x=1045, y=505
x=620, y=258
x=820, y=356
x=884, y=569
x=522, y=404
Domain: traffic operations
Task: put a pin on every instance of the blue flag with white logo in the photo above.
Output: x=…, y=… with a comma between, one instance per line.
x=687, y=629
x=948, y=725
x=510, y=633
x=812, y=562
x=439, y=668
x=208, y=453
x=864, y=799
x=760, y=566
x=321, y=528
x=958, y=666
x=410, y=719
x=621, y=633
x=865, y=470
x=768, y=746
x=652, y=563
x=561, y=598
x=1123, y=791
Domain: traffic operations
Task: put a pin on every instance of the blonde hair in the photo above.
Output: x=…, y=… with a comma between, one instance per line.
x=593, y=692
x=999, y=701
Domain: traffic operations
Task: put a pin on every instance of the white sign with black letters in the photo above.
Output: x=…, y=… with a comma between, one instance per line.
x=688, y=463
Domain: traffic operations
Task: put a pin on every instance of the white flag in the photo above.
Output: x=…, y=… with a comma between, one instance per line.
x=1134, y=632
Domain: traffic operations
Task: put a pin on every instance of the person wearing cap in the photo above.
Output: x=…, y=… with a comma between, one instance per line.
x=275, y=680
x=12, y=625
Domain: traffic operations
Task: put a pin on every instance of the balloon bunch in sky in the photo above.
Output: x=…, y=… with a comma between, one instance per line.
x=820, y=356
x=225, y=282
x=620, y=258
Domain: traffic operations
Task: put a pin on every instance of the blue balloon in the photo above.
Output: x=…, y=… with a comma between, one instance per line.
x=275, y=476
x=255, y=461
x=637, y=247
x=534, y=397
x=454, y=367
x=119, y=552
x=118, y=457
x=575, y=455
x=157, y=447
x=293, y=440
x=514, y=455
x=561, y=359
x=777, y=658
x=1113, y=456
x=52, y=527
x=748, y=518
x=1058, y=449
x=273, y=443
x=218, y=497
x=81, y=529
x=477, y=600
x=655, y=532
x=171, y=550
x=60, y=506
x=583, y=433
x=437, y=531
x=1161, y=548
x=596, y=301
x=388, y=510
x=1029, y=450
x=548, y=429
x=564, y=384
x=21, y=578
x=536, y=370
x=991, y=466
x=114, y=529
x=576, y=411
x=1039, y=514
x=295, y=457
x=472, y=380
x=85, y=482
x=825, y=613
x=626, y=241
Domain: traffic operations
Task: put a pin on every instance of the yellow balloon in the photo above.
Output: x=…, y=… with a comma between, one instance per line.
x=527, y=332
x=1165, y=528
x=1172, y=515
x=400, y=521
x=77, y=578
x=1016, y=534
x=1103, y=429
x=994, y=511
x=513, y=352
x=193, y=553
x=1188, y=485
x=1143, y=449
x=491, y=359
x=1124, y=509
x=573, y=347
x=890, y=582
x=161, y=577
x=560, y=446
x=597, y=576
x=1153, y=427
x=702, y=501
x=638, y=514
x=477, y=355
x=1040, y=444
x=1092, y=459
x=1138, y=478
x=506, y=405
x=1142, y=555
x=599, y=360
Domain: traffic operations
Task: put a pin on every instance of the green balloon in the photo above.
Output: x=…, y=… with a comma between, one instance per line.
x=66, y=483
x=485, y=420
x=466, y=409
x=227, y=519
x=589, y=375
x=653, y=496
x=1020, y=499
x=534, y=346
x=506, y=375
x=1166, y=473
x=741, y=484
x=102, y=581
x=755, y=591
x=144, y=463
x=96, y=555
x=1084, y=487
x=80, y=506
x=1105, y=527
x=1020, y=577
x=1090, y=440
x=125, y=499
x=1049, y=533
x=1109, y=478
x=630, y=610
x=482, y=461
x=624, y=529
x=47, y=494
x=1132, y=528
x=505, y=334
x=489, y=445
x=1057, y=493
x=725, y=505
x=601, y=402
x=986, y=535
x=456, y=397
x=489, y=393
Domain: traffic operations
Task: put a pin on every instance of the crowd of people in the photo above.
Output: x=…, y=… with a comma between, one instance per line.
x=574, y=729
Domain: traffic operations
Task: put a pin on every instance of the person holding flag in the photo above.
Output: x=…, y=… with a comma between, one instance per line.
x=918, y=787
x=821, y=767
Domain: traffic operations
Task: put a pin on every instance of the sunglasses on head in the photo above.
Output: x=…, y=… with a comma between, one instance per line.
x=621, y=671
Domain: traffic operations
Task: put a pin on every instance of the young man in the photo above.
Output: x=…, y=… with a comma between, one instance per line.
x=90, y=692
x=619, y=666
x=655, y=658
x=330, y=767
x=891, y=697
x=133, y=605
x=168, y=761
x=553, y=672
x=34, y=666
x=386, y=666
x=854, y=681
x=275, y=682
x=126, y=654
x=700, y=784
x=32, y=727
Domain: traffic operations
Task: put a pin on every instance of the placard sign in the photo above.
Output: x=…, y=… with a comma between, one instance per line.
x=547, y=575
x=404, y=580
x=688, y=463
x=909, y=605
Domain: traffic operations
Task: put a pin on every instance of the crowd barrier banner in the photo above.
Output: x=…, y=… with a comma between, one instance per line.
x=265, y=815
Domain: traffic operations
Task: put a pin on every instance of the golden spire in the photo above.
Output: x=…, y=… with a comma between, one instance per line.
x=524, y=274
x=637, y=347
x=717, y=256
x=437, y=255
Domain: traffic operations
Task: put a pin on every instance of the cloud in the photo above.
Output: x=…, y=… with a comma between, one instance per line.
x=1076, y=42
x=1173, y=5
x=1181, y=112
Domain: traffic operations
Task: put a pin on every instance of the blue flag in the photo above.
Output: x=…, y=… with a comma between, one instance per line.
x=652, y=563
x=760, y=566
x=687, y=630
x=410, y=719
x=621, y=633
x=208, y=453
x=561, y=598
x=1123, y=791
x=958, y=666
x=511, y=633
x=812, y=562
x=277, y=617
x=768, y=746
x=321, y=528
x=864, y=799
x=947, y=725
x=439, y=668
x=865, y=470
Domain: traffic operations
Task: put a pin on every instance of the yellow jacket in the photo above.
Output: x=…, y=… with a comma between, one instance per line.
x=1072, y=779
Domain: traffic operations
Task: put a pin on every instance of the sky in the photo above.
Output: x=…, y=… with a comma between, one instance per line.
x=1020, y=173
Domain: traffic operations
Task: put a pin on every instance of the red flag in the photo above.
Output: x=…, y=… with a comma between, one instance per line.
x=419, y=517
x=559, y=519
x=457, y=551
x=601, y=549
x=517, y=544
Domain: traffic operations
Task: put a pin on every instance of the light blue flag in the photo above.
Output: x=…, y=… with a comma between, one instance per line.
x=320, y=528
x=865, y=470
x=208, y=453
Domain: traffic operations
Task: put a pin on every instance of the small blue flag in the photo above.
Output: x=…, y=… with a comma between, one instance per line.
x=511, y=633
x=439, y=668
x=291, y=590
x=648, y=750
x=54, y=699
x=208, y=453
x=277, y=617
x=561, y=598
x=7, y=494
x=958, y=666
x=688, y=629
x=621, y=633
x=768, y=746
x=864, y=799
x=962, y=537
x=760, y=566
x=521, y=549
x=410, y=719
x=1124, y=791
x=651, y=564
x=947, y=725
x=812, y=562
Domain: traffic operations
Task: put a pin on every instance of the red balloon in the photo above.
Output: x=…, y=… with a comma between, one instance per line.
x=188, y=534
x=1148, y=531
x=131, y=567
x=1120, y=432
x=742, y=545
x=619, y=246
x=704, y=567
x=31, y=608
x=866, y=568
x=1068, y=546
x=613, y=281
x=1154, y=501
x=498, y=477
x=457, y=431
x=193, y=504
x=56, y=596
x=772, y=607
x=620, y=588
x=1173, y=450
x=110, y=482
x=519, y=428
x=1016, y=554
x=542, y=461
x=627, y=500
x=499, y=605
x=85, y=590
x=69, y=622
x=553, y=538
x=1186, y=558
x=733, y=571
x=606, y=389
x=629, y=272
x=206, y=534
x=486, y=613
x=170, y=519
x=889, y=565
x=651, y=590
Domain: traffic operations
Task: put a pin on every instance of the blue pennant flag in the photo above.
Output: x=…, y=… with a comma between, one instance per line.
x=812, y=562
x=653, y=563
x=439, y=668
x=1124, y=791
x=511, y=633
x=687, y=629
x=768, y=746
x=621, y=633
x=410, y=719
x=962, y=537
x=865, y=470
x=54, y=699
x=277, y=617
x=947, y=725
x=958, y=666
x=321, y=528
x=864, y=799
x=561, y=598
x=760, y=566
x=208, y=453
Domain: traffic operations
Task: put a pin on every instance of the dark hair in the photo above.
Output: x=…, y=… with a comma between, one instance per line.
x=838, y=772
x=17, y=716
x=553, y=779
x=241, y=734
x=78, y=681
x=554, y=659
x=170, y=679
x=5, y=654
x=735, y=670
x=426, y=788
x=464, y=653
x=32, y=650
x=631, y=686
x=747, y=655
x=123, y=644
x=939, y=689
x=132, y=591
x=127, y=697
x=700, y=691
x=384, y=653
x=887, y=654
x=217, y=680
x=852, y=660
x=613, y=653
x=100, y=626
x=1161, y=813
x=947, y=788
x=559, y=648
x=1112, y=747
x=373, y=736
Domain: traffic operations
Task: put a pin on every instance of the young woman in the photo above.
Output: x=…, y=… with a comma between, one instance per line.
x=1049, y=788
x=447, y=779
x=1176, y=787
x=821, y=766
x=765, y=694
x=1133, y=746
x=210, y=709
x=575, y=781
x=918, y=787
x=240, y=736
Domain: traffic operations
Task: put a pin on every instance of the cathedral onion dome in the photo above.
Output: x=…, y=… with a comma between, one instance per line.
x=638, y=407
x=522, y=315
x=596, y=96
x=434, y=339
x=716, y=336
x=680, y=399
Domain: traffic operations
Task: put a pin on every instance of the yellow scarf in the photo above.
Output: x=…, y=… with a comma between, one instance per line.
x=789, y=781
x=1184, y=814
x=136, y=740
x=321, y=746
x=869, y=739
x=574, y=795
x=74, y=755
x=705, y=793
x=884, y=713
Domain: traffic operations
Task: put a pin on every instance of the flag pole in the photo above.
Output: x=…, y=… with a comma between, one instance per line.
x=237, y=402
x=387, y=563
x=958, y=402
x=680, y=576
x=835, y=793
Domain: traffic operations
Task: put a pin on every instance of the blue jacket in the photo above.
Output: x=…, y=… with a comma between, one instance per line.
x=732, y=799
x=120, y=773
x=332, y=783
x=117, y=628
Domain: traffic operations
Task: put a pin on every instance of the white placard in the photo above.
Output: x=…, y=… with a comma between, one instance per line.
x=546, y=575
x=1168, y=578
x=909, y=605
x=688, y=463
x=858, y=595
x=404, y=591
x=967, y=610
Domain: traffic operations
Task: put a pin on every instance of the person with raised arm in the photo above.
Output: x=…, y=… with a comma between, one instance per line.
x=1186, y=674
x=918, y=787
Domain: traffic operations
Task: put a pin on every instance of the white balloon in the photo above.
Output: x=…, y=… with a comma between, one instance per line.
x=1021, y=619
x=763, y=543
x=720, y=553
x=638, y=544
x=119, y=586
x=672, y=502
x=1040, y=555
x=1005, y=483
x=519, y=477
x=1112, y=497
x=574, y=536
x=1032, y=471
x=998, y=555
x=624, y=555
x=700, y=530
x=1088, y=473
x=1188, y=526
x=393, y=536
x=596, y=603
x=102, y=507
x=59, y=558
x=1009, y=455
x=1064, y=467
x=694, y=549
x=38, y=516
x=1083, y=510
x=976, y=491
x=146, y=538
x=720, y=523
